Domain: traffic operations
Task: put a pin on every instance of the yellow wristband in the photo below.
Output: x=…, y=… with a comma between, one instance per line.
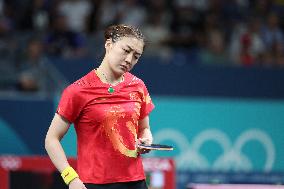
x=69, y=174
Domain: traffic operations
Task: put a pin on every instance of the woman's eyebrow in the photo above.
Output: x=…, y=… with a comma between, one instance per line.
x=134, y=50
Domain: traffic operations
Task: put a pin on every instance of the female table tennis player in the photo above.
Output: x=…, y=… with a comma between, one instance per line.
x=110, y=110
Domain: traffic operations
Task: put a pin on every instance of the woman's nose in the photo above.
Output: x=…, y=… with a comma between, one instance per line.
x=129, y=58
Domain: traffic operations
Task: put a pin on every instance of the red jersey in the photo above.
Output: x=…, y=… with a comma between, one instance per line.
x=106, y=125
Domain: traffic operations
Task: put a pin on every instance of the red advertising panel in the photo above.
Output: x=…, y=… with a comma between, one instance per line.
x=38, y=164
x=160, y=171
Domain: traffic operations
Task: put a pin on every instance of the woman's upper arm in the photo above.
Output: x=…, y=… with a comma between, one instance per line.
x=144, y=123
x=58, y=127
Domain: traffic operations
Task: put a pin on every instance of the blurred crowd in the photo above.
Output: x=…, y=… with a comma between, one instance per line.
x=216, y=32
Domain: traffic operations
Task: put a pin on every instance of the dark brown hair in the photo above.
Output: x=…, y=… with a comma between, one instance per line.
x=115, y=32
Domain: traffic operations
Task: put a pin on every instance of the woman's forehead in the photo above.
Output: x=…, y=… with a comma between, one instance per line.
x=133, y=43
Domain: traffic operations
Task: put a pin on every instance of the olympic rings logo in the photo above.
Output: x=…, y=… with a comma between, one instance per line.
x=10, y=162
x=232, y=157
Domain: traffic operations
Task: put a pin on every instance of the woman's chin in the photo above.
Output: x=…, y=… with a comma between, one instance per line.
x=121, y=70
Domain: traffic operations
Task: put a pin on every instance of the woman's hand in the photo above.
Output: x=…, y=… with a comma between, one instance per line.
x=145, y=135
x=77, y=184
x=146, y=141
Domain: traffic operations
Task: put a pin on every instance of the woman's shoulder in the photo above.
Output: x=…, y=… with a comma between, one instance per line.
x=85, y=81
x=132, y=79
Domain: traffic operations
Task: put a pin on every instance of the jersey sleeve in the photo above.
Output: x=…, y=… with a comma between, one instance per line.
x=70, y=104
x=147, y=105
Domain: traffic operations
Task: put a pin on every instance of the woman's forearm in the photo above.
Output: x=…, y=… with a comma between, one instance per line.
x=56, y=131
x=145, y=133
x=56, y=153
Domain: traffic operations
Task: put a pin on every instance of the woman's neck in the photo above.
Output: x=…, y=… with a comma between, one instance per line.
x=107, y=75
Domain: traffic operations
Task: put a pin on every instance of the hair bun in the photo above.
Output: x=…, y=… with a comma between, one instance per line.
x=115, y=32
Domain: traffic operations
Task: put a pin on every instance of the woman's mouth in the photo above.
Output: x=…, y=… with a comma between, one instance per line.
x=124, y=68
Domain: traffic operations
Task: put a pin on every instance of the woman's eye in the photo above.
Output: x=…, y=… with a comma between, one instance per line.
x=126, y=50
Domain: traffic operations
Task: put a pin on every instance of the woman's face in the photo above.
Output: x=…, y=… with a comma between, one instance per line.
x=123, y=54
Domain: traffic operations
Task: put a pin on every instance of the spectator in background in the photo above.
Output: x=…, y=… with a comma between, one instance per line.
x=14, y=11
x=274, y=56
x=111, y=12
x=8, y=48
x=93, y=18
x=214, y=53
x=62, y=42
x=6, y=33
x=36, y=16
x=232, y=14
x=7, y=18
x=271, y=31
x=245, y=55
x=131, y=12
x=32, y=74
x=76, y=13
x=156, y=29
x=158, y=36
x=210, y=23
x=185, y=26
x=273, y=38
x=247, y=47
x=35, y=73
x=108, y=13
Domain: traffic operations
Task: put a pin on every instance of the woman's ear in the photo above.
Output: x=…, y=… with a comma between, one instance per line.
x=108, y=44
